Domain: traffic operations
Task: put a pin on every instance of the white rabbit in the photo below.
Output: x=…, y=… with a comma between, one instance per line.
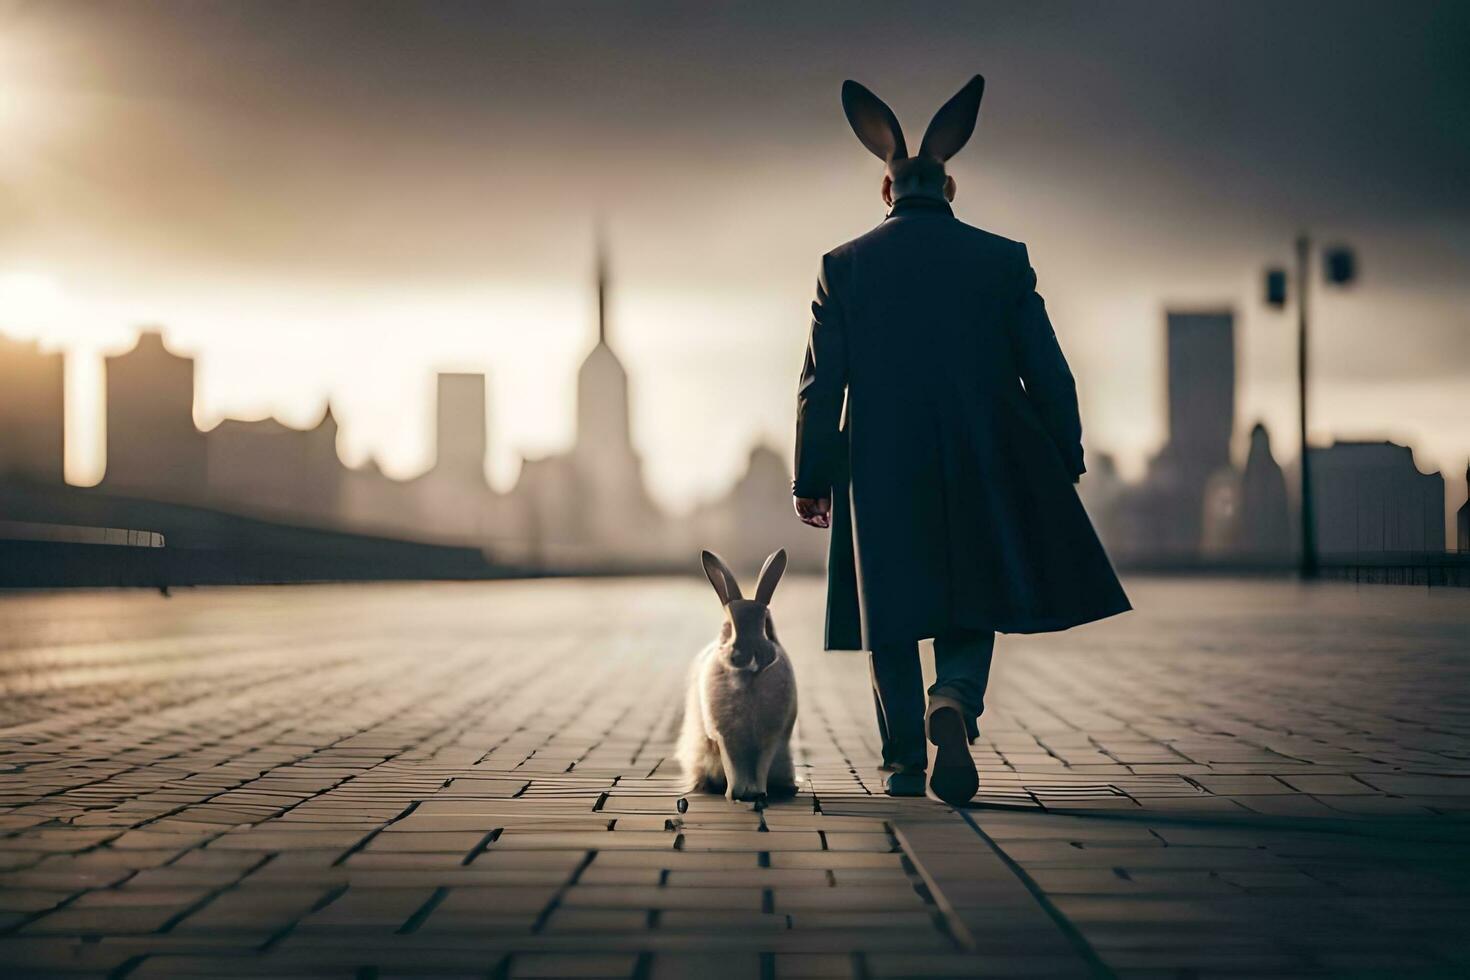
x=741, y=704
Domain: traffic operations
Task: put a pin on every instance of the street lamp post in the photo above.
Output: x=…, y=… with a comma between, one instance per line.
x=1340, y=268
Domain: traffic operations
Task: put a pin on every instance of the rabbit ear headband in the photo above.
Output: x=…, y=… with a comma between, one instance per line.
x=877, y=126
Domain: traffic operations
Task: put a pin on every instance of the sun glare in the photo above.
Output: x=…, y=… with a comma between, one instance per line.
x=31, y=305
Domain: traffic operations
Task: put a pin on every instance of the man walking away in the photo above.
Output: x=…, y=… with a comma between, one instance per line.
x=938, y=437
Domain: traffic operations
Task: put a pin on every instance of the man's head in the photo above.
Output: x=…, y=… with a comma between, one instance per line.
x=917, y=177
x=921, y=175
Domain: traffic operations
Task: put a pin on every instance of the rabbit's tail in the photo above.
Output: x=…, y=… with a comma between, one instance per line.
x=700, y=763
x=697, y=754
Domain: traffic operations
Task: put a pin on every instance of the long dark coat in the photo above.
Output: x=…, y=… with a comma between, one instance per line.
x=938, y=412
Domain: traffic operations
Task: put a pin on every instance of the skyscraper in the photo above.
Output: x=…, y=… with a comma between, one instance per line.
x=454, y=502
x=1201, y=385
x=1164, y=518
x=460, y=430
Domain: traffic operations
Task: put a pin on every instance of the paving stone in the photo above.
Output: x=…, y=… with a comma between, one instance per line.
x=251, y=909
x=566, y=920
x=863, y=897
x=103, y=921
x=453, y=843
x=662, y=898
x=708, y=966
x=131, y=897
x=686, y=860
x=834, y=859
x=547, y=965
x=30, y=899
x=747, y=840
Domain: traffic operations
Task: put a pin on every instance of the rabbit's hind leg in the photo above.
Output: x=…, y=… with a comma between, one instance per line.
x=699, y=757
x=712, y=769
x=781, y=778
x=763, y=767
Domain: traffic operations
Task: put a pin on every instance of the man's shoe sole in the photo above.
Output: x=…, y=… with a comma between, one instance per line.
x=954, y=779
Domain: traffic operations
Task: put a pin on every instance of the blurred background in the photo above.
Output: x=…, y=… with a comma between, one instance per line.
x=367, y=289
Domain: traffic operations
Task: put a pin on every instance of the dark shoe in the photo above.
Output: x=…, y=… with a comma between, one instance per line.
x=905, y=782
x=954, y=780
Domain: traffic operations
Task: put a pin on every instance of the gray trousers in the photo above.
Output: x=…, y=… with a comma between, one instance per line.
x=962, y=671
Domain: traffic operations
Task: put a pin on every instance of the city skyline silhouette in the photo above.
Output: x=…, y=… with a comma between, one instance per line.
x=589, y=507
x=583, y=509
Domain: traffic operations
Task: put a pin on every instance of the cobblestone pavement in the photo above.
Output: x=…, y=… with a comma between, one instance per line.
x=1239, y=779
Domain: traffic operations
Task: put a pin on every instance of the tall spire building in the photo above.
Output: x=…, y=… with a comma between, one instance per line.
x=604, y=437
x=589, y=506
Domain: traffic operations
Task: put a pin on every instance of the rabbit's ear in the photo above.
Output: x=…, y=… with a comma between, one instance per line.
x=952, y=125
x=874, y=123
x=765, y=585
x=720, y=577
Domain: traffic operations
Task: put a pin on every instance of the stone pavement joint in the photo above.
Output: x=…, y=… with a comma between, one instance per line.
x=1239, y=779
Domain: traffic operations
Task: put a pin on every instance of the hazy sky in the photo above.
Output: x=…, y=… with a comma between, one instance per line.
x=334, y=199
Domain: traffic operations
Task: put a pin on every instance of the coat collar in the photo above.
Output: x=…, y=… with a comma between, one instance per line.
x=917, y=205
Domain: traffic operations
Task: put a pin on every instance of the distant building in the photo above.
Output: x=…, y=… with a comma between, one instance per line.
x=153, y=447
x=1370, y=498
x=32, y=413
x=373, y=502
x=1262, y=531
x=756, y=517
x=460, y=434
x=1164, y=518
x=269, y=468
x=453, y=500
x=1247, y=517
x=1101, y=492
x=1462, y=518
x=1201, y=385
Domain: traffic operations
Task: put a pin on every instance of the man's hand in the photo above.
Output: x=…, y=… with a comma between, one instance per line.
x=816, y=511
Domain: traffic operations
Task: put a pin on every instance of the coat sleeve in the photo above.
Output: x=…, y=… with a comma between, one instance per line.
x=1049, y=384
x=820, y=394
